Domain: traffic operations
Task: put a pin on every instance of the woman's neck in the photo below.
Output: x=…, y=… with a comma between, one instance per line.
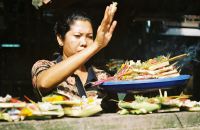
x=81, y=69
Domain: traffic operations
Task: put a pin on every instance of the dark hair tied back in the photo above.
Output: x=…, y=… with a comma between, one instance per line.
x=62, y=26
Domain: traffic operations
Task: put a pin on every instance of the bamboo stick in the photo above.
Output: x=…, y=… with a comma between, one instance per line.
x=178, y=57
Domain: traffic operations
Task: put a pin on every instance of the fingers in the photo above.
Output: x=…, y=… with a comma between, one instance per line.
x=112, y=28
x=103, y=22
x=108, y=17
x=113, y=6
x=107, y=26
x=112, y=10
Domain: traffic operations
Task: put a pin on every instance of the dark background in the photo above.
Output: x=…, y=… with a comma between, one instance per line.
x=21, y=23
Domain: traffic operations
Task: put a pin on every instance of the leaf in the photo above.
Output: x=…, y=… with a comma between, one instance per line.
x=37, y=3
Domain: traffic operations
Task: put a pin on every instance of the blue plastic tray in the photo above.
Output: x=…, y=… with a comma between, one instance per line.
x=121, y=86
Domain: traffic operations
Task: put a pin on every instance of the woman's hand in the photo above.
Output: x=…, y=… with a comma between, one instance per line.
x=107, y=26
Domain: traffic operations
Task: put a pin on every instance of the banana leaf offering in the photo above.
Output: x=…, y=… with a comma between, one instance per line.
x=145, y=105
x=52, y=106
x=155, y=68
x=82, y=107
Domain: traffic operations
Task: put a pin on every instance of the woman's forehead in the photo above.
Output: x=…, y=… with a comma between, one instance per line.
x=81, y=26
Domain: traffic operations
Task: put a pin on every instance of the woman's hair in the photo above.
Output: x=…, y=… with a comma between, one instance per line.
x=62, y=26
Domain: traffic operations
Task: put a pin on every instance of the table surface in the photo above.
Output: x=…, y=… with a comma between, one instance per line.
x=113, y=121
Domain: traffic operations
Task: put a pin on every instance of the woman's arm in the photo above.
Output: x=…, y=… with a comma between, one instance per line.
x=48, y=79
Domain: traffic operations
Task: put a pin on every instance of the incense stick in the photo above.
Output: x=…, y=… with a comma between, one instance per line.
x=178, y=57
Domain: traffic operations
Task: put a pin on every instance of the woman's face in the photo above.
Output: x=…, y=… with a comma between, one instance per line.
x=77, y=38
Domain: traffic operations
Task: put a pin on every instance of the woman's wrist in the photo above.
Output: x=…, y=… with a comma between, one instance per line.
x=97, y=45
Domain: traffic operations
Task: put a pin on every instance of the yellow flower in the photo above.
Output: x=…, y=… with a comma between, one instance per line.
x=26, y=112
x=53, y=98
x=90, y=100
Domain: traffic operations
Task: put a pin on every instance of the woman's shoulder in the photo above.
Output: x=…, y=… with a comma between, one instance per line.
x=40, y=65
x=43, y=63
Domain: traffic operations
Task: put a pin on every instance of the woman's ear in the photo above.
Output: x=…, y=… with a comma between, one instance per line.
x=60, y=41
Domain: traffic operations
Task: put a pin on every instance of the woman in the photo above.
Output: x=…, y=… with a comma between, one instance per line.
x=68, y=74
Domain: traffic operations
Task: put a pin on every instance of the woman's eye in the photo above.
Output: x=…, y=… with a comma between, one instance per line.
x=90, y=37
x=77, y=36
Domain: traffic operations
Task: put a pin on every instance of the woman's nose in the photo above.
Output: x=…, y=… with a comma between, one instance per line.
x=83, y=41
